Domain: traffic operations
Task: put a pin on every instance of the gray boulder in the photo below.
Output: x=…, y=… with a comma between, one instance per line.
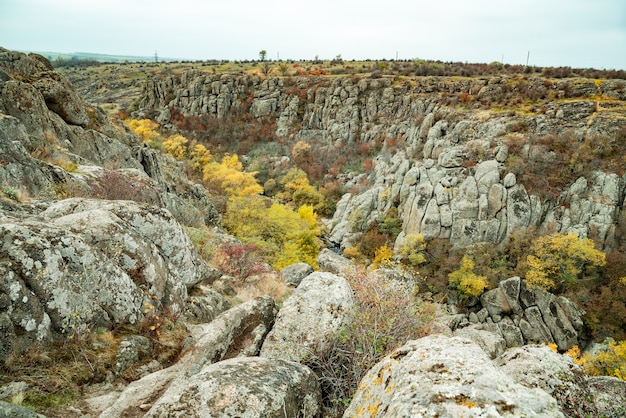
x=306, y=324
x=293, y=274
x=8, y=410
x=537, y=366
x=240, y=331
x=492, y=343
x=247, y=387
x=332, y=262
x=84, y=264
x=438, y=376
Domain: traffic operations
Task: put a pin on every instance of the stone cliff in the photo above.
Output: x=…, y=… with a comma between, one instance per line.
x=444, y=157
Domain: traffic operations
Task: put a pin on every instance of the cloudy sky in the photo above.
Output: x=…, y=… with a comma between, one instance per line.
x=575, y=33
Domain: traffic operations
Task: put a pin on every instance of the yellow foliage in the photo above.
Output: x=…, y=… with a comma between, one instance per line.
x=227, y=177
x=146, y=129
x=607, y=362
x=200, y=156
x=382, y=257
x=297, y=189
x=412, y=249
x=559, y=259
x=176, y=146
x=285, y=236
x=466, y=281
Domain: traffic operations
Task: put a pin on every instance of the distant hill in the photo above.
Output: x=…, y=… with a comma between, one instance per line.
x=88, y=56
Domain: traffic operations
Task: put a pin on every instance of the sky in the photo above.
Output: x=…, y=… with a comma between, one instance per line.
x=574, y=33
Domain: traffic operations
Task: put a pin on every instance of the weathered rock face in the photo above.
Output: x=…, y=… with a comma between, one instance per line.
x=45, y=126
x=309, y=318
x=537, y=366
x=438, y=376
x=245, y=387
x=293, y=274
x=449, y=179
x=240, y=331
x=522, y=316
x=87, y=263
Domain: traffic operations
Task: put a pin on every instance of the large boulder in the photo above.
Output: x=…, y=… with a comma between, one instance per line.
x=332, y=262
x=83, y=264
x=245, y=387
x=240, y=331
x=318, y=308
x=537, y=366
x=438, y=376
x=293, y=274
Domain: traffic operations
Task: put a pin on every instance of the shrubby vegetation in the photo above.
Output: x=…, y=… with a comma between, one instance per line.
x=388, y=313
x=277, y=233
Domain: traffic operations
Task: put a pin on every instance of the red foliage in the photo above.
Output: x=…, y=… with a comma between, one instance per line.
x=239, y=261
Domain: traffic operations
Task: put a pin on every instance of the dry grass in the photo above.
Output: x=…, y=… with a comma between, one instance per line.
x=270, y=284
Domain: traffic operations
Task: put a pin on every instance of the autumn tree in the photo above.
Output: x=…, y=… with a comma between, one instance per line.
x=557, y=260
x=146, y=129
x=297, y=189
x=284, y=235
x=468, y=283
x=229, y=178
x=412, y=250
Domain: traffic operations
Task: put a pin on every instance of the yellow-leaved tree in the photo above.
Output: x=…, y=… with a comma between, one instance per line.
x=146, y=129
x=412, y=249
x=283, y=235
x=466, y=281
x=229, y=178
x=176, y=146
x=382, y=257
x=297, y=189
x=557, y=260
x=610, y=360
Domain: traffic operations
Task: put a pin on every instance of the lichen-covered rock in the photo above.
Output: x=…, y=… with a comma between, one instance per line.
x=142, y=392
x=332, y=262
x=130, y=351
x=293, y=274
x=83, y=264
x=310, y=318
x=537, y=366
x=206, y=306
x=492, y=343
x=246, y=387
x=524, y=316
x=239, y=331
x=8, y=410
x=438, y=376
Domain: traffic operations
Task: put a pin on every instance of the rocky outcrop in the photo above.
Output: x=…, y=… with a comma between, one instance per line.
x=8, y=410
x=522, y=316
x=293, y=274
x=51, y=140
x=246, y=387
x=240, y=331
x=310, y=318
x=449, y=179
x=438, y=376
x=82, y=264
x=450, y=377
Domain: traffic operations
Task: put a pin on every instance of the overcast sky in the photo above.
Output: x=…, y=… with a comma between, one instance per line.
x=575, y=33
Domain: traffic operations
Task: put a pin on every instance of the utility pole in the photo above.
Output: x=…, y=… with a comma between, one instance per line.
x=156, y=57
x=527, y=57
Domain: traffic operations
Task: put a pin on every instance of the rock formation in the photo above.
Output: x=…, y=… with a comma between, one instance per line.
x=449, y=180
